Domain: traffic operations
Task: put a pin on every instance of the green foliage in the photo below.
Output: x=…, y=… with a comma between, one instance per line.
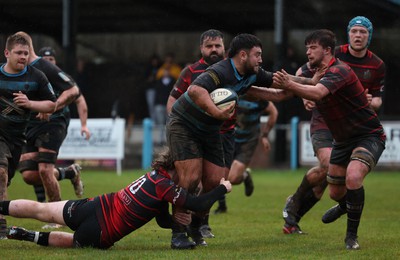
x=251, y=229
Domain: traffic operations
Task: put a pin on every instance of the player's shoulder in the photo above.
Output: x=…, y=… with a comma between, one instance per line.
x=35, y=71
x=222, y=65
x=45, y=66
x=196, y=67
x=375, y=58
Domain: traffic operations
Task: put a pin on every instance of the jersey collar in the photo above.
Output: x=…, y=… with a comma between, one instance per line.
x=237, y=75
x=13, y=75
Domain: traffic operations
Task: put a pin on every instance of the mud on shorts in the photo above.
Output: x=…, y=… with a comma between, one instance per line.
x=80, y=216
x=9, y=158
x=244, y=151
x=186, y=142
x=228, y=144
x=50, y=136
x=321, y=139
x=341, y=152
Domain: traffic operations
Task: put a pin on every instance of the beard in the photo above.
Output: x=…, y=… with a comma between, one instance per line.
x=315, y=63
x=249, y=70
x=213, y=58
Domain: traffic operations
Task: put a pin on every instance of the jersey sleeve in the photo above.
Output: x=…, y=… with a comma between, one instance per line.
x=46, y=91
x=378, y=87
x=60, y=80
x=182, y=84
x=264, y=78
x=170, y=192
x=209, y=80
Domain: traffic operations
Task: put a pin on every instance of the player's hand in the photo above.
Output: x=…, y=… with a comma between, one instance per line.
x=85, y=132
x=227, y=184
x=319, y=73
x=21, y=100
x=43, y=116
x=308, y=104
x=226, y=112
x=266, y=144
x=281, y=79
x=183, y=218
x=369, y=97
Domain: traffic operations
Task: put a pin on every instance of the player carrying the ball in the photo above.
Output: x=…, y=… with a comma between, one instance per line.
x=193, y=128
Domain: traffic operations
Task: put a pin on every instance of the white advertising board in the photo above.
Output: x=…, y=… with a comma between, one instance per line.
x=106, y=142
x=390, y=156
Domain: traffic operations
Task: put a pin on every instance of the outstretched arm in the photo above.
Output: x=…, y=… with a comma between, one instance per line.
x=205, y=201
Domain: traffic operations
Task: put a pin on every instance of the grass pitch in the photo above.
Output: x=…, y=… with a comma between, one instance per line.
x=251, y=229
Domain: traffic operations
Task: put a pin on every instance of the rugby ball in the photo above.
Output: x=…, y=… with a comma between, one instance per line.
x=223, y=97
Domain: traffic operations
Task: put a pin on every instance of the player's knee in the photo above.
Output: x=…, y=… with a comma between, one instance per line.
x=47, y=157
x=3, y=170
x=336, y=192
x=31, y=178
x=234, y=177
x=365, y=157
x=336, y=180
x=27, y=165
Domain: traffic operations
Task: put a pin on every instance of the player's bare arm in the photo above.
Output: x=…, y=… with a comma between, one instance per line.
x=171, y=101
x=310, y=92
x=270, y=94
x=45, y=106
x=202, y=98
x=67, y=97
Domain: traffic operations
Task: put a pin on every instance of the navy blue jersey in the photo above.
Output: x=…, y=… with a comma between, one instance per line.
x=13, y=119
x=248, y=119
x=60, y=82
x=222, y=74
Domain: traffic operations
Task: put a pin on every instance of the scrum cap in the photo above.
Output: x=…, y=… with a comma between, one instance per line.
x=361, y=21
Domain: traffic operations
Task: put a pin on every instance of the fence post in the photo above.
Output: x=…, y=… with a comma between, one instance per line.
x=294, y=123
x=147, y=148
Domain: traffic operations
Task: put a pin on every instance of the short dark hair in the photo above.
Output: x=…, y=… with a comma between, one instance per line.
x=323, y=37
x=212, y=33
x=14, y=39
x=243, y=41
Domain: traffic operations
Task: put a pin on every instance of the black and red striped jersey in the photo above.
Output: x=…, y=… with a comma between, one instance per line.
x=346, y=110
x=317, y=121
x=135, y=205
x=147, y=197
x=188, y=75
x=369, y=69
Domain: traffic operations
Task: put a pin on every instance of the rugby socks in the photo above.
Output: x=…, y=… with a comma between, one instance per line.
x=61, y=173
x=300, y=197
x=40, y=193
x=222, y=202
x=4, y=205
x=307, y=202
x=65, y=173
x=43, y=238
x=355, y=204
